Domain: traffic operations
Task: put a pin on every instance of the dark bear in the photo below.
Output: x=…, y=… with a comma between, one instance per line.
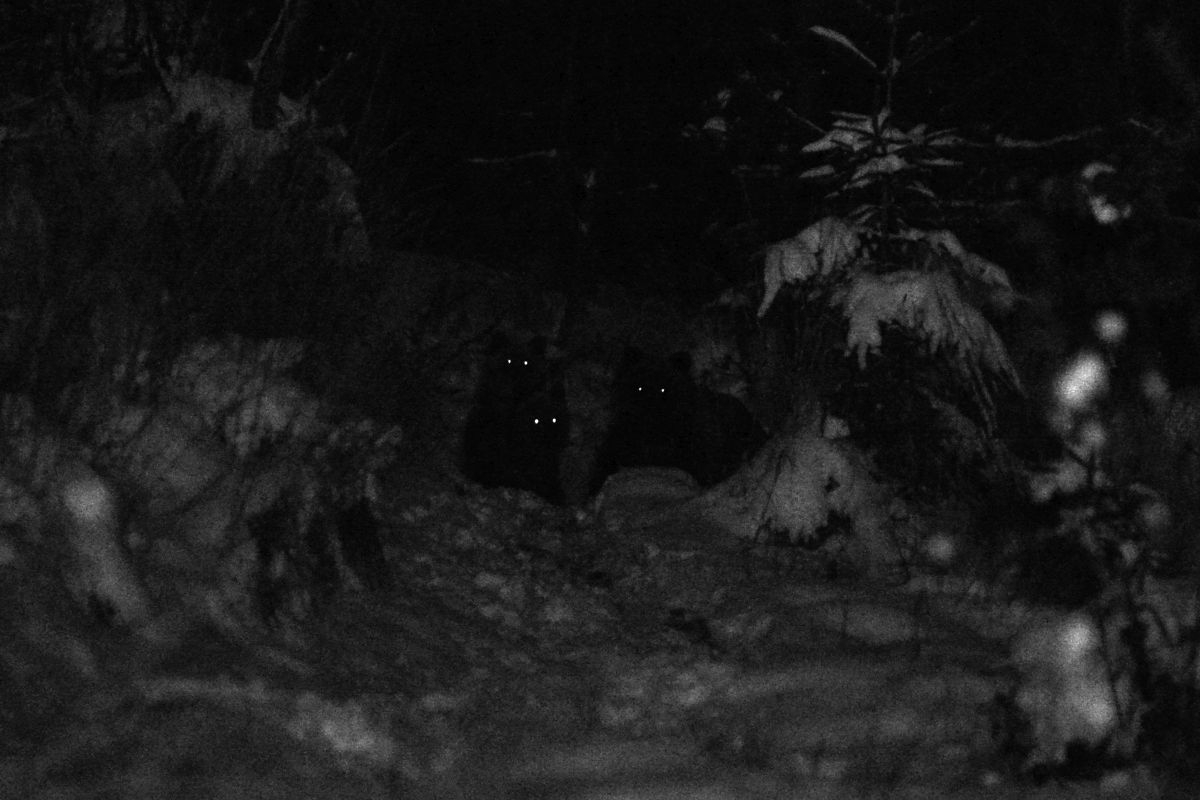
x=518, y=427
x=660, y=417
x=517, y=444
x=650, y=414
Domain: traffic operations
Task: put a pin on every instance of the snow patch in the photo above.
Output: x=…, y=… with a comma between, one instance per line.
x=100, y=569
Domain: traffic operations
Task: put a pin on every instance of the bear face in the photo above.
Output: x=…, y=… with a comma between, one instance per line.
x=517, y=428
x=661, y=417
x=515, y=370
x=518, y=444
x=650, y=412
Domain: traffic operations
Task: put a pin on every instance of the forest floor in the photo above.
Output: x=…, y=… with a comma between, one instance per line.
x=527, y=651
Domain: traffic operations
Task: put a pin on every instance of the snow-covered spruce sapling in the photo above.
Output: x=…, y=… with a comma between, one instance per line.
x=876, y=172
x=940, y=387
x=877, y=319
x=873, y=264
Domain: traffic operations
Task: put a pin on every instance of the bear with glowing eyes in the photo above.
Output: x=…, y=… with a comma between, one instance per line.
x=661, y=417
x=649, y=407
x=516, y=369
x=517, y=445
x=518, y=427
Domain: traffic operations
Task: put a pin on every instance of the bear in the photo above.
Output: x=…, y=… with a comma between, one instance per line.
x=649, y=416
x=662, y=418
x=518, y=426
x=517, y=443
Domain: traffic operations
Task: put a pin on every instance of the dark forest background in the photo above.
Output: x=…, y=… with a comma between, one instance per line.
x=551, y=136
x=220, y=166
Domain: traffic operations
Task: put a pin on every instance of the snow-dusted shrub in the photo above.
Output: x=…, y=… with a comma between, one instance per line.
x=1076, y=690
x=1115, y=682
x=1117, y=676
x=243, y=389
x=59, y=506
x=228, y=437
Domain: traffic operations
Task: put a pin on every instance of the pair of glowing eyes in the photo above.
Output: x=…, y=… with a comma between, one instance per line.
x=522, y=363
x=647, y=390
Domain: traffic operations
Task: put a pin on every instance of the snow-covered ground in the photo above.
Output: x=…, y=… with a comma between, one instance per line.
x=525, y=651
